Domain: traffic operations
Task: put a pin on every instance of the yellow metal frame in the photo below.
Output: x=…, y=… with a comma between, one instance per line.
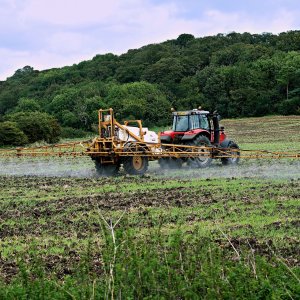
x=153, y=152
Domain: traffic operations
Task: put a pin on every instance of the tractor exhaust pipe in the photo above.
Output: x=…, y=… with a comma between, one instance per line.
x=215, y=119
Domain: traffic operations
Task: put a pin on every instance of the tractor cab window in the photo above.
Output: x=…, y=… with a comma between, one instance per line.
x=194, y=122
x=190, y=122
x=204, y=122
x=181, y=123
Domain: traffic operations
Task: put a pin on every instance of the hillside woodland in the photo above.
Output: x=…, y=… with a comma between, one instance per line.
x=240, y=75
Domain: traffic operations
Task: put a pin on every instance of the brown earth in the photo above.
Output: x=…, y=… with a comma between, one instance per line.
x=50, y=210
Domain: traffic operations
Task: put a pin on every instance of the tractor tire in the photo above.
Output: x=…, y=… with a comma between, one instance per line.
x=200, y=162
x=135, y=165
x=106, y=169
x=170, y=163
x=232, y=161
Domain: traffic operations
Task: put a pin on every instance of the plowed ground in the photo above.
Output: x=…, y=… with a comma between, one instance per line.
x=57, y=217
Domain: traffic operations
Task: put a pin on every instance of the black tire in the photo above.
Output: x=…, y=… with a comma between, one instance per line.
x=200, y=162
x=136, y=165
x=170, y=163
x=106, y=169
x=228, y=161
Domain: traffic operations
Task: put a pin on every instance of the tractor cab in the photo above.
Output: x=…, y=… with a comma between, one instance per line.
x=187, y=125
x=190, y=120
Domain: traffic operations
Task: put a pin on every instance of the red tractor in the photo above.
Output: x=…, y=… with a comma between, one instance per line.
x=197, y=127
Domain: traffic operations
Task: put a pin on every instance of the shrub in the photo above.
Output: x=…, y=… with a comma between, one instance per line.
x=69, y=132
x=10, y=134
x=25, y=105
x=290, y=106
x=37, y=126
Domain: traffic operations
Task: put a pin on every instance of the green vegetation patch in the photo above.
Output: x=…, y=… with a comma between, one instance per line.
x=171, y=238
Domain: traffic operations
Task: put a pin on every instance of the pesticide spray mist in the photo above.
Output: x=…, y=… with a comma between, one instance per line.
x=84, y=168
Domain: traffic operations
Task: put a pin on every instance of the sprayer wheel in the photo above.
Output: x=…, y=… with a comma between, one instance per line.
x=232, y=161
x=135, y=165
x=106, y=169
x=201, y=161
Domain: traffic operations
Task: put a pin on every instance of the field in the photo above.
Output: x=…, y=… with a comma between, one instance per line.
x=218, y=233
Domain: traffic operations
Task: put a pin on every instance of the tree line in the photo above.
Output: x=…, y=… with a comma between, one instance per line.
x=240, y=75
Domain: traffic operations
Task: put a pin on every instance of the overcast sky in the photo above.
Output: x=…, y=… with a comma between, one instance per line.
x=55, y=33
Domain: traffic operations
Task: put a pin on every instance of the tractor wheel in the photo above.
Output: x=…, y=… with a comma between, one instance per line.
x=170, y=163
x=106, y=169
x=201, y=161
x=136, y=165
x=232, y=161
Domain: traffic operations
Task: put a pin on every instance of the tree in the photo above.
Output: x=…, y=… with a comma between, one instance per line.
x=101, y=67
x=9, y=97
x=289, y=74
x=238, y=74
x=167, y=71
x=189, y=95
x=69, y=119
x=25, y=104
x=288, y=41
x=290, y=106
x=184, y=39
x=239, y=53
x=140, y=100
x=24, y=72
x=212, y=84
x=10, y=134
x=76, y=107
x=37, y=126
x=128, y=73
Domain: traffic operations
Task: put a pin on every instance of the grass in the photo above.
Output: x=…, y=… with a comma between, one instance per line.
x=58, y=227
x=179, y=235
x=271, y=129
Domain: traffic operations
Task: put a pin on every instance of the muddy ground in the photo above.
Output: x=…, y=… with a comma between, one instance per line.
x=255, y=205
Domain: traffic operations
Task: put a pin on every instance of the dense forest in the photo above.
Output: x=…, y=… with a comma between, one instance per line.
x=240, y=75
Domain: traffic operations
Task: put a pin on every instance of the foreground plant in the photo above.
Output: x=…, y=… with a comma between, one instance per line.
x=159, y=265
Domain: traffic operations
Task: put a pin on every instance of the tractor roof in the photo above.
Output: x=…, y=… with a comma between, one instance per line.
x=191, y=112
